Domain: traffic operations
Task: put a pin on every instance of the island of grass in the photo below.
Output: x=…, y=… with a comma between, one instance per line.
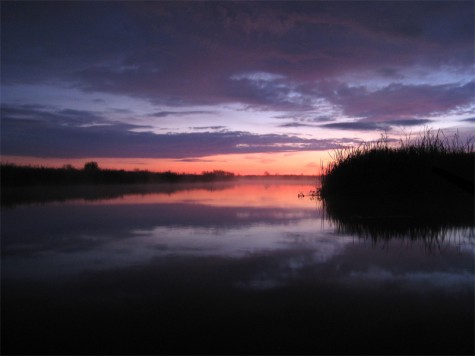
x=430, y=177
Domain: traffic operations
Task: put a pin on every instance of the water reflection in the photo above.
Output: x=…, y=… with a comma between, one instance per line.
x=236, y=269
x=433, y=225
x=243, y=192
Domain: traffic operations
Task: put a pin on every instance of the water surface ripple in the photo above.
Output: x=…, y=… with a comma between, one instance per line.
x=231, y=268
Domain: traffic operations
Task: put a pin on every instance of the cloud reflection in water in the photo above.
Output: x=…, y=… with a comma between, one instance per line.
x=204, y=266
x=233, y=222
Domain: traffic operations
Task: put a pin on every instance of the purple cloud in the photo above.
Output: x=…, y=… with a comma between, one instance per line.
x=398, y=100
x=180, y=113
x=48, y=138
x=188, y=52
x=297, y=124
x=208, y=127
x=357, y=125
x=45, y=115
x=409, y=122
x=394, y=101
x=286, y=58
x=377, y=126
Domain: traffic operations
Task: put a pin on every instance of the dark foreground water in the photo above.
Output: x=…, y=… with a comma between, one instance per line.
x=246, y=268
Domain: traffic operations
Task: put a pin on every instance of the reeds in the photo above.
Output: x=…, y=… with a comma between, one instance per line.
x=429, y=166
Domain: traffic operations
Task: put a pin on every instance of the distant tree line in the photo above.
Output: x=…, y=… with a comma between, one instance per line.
x=13, y=175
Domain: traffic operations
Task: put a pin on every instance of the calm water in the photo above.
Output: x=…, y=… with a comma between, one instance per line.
x=245, y=268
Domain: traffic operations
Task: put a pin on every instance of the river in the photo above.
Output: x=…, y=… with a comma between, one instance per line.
x=238, y=267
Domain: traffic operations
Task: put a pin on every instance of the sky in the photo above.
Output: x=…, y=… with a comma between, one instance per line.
x=248, y=87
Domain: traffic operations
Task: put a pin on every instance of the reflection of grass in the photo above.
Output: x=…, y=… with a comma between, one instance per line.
x=433, y=224
x=418, y=190
x=429, y=169
x=15, y=195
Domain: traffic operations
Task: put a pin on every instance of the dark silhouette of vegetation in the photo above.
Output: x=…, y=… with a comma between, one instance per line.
x=420, y=189
x=434, y=224
x=13, y=175
x=431, y=168
x=90, y=167
x=216, y=175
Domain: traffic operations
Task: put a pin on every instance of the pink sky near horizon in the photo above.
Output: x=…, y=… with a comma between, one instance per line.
x=288, y=163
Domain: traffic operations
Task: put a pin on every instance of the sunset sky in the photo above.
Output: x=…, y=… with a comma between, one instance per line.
x=244, y=86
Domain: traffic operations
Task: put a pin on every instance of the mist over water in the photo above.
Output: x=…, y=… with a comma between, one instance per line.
x=230, y=268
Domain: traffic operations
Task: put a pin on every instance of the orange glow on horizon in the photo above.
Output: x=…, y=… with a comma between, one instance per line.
x=292, y=163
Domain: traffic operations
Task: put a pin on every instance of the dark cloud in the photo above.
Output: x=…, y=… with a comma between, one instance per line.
x=258, y=92
x=297, y=124
x=303, y=120
x=390, y=72
x=51, y=138
x=195, y=160
x=180, y=113
x=208, y=127
x=287, y=57
x=396, y=100
x=187, y=52
x=471, y=119
x=371, y=125
x=357, y=125
x=43, y=114
x=47, y=41
x=322, y=119
x=409, y=122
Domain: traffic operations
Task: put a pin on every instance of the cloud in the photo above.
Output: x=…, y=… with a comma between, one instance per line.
x=265, y=90
x=207, y=52
x=409, y=122
x=304, y=119
x=52, y=138
x=471, y=119
x=396, y=100
x=297, y=124
x=357, y=125
x=180, y=113
x=322, y=119
x=40, y=113
x=208, y=127
x=195, y=160
x=370, y=125
x=390, y=72
x=286, y=58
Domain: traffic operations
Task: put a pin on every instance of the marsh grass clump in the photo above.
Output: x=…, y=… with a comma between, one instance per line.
x=432, y=168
